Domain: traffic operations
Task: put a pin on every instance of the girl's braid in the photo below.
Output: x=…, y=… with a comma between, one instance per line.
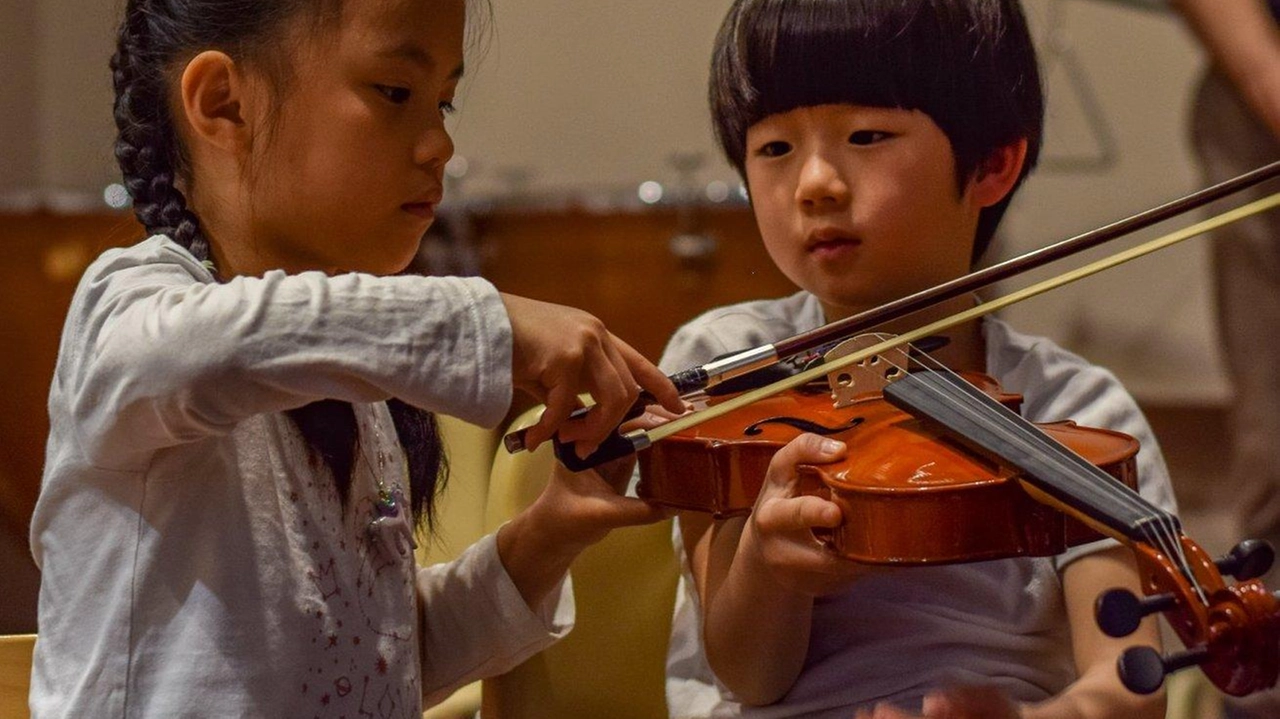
x=146, y=146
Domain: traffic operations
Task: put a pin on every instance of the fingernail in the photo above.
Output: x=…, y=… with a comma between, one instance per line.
x=831, y=446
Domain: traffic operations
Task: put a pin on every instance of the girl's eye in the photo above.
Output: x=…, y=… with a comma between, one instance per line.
x=777, y=148
x=867, y=137
x=397, y=95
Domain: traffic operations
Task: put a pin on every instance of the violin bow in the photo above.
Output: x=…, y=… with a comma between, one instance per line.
x=708, y=375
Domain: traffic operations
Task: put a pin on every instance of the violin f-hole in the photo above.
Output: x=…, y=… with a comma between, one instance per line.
x=803, y=425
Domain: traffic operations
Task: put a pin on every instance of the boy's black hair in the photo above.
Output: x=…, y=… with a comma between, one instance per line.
x=968, y=64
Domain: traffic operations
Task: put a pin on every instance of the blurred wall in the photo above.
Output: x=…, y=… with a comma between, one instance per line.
x=573, y=95
x=19, y=99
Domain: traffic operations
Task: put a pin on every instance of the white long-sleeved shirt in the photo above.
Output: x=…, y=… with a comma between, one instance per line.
x=196, y=560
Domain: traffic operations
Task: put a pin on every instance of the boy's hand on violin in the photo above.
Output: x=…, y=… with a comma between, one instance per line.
x=956, y=703
x=558, y=353
x=780, y=528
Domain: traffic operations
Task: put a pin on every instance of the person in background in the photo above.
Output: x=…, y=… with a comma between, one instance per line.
x=1235, y=128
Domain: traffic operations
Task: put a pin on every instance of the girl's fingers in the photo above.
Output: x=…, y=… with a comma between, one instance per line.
x=561, y=401
x=650, y=377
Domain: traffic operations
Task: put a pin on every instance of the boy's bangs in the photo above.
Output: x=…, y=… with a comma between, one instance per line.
x=807, y=53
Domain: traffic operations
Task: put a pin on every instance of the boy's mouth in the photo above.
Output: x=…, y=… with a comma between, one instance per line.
x=829, y=241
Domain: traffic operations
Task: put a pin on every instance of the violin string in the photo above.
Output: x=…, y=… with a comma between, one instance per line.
x=1066, y=461
x=1161, y=533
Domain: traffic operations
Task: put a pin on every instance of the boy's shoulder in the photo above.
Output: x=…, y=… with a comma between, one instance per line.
x=740, y=326
x=1055, y=382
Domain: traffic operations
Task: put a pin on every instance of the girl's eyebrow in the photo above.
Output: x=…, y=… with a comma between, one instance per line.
x=415, y=54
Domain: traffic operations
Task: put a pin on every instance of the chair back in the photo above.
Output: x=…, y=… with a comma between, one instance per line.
x=15, y=674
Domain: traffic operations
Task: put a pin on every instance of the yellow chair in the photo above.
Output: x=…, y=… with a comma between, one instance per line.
x=613, y=662
x=460, y=521
x=15, y=674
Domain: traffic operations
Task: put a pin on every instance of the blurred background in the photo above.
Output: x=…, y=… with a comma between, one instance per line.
x=587, y=174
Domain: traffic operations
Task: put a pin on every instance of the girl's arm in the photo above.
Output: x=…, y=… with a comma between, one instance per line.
x=508, y=598
x=757, y=577
x=155, y=354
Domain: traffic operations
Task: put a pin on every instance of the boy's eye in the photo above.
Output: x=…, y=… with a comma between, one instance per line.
x=867, y=137
x=397, y=95
x=777, y=148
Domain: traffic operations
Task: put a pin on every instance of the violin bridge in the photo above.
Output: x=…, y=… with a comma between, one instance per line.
x=871, y=375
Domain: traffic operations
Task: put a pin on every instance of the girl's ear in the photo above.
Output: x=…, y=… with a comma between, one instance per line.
x=998, y=173
x=216, y=101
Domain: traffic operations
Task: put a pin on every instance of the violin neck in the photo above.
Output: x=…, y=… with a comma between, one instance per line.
x=1063, y=477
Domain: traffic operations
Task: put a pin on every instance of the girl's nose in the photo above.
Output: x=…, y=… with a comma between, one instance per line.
x=434, y=147
x=821, y=184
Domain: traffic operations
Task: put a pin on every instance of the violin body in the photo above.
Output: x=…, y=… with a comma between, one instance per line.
x=910, y=494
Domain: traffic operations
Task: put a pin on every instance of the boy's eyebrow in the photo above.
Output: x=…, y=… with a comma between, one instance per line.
x=414, y=53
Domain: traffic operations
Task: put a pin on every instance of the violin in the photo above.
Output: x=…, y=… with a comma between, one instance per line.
x=1232, y=631
x=901, y=473
x=948, y=451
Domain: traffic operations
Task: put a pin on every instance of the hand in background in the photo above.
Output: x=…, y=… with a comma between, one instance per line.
x=956, y=703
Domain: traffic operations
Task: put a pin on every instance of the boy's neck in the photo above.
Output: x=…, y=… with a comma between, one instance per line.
x=966, y=349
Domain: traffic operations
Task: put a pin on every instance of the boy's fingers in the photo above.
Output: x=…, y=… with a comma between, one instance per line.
x=798, y=513
x=807, y=448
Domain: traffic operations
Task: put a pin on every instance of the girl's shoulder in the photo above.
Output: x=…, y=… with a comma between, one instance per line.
x=158, y=252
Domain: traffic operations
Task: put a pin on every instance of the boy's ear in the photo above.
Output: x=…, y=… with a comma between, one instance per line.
x=998, y=173
x=215, y=99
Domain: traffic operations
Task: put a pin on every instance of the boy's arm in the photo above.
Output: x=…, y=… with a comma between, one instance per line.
x=756, y=631
x=1245, y=42
x=1098, y=693
x=757, y=577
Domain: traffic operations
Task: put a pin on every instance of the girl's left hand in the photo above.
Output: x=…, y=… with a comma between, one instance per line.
x=957, y=703
x=586, y=505
x=574, y=511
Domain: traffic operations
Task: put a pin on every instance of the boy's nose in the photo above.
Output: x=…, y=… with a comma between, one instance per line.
x=821, y=184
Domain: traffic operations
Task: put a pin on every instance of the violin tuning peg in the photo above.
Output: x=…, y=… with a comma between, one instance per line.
x=1142, y=669
x=1247, y=560
x=1119, y=612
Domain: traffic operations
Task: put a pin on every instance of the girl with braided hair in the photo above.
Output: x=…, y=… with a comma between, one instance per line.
x=242, y=441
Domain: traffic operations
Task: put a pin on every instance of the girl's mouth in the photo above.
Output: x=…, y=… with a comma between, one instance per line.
x=425, y=210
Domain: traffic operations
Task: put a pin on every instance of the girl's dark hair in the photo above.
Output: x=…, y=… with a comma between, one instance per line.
x=155, y=37
x=968, y=64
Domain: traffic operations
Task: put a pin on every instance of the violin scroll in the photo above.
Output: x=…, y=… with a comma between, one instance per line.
x=1232, y=632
